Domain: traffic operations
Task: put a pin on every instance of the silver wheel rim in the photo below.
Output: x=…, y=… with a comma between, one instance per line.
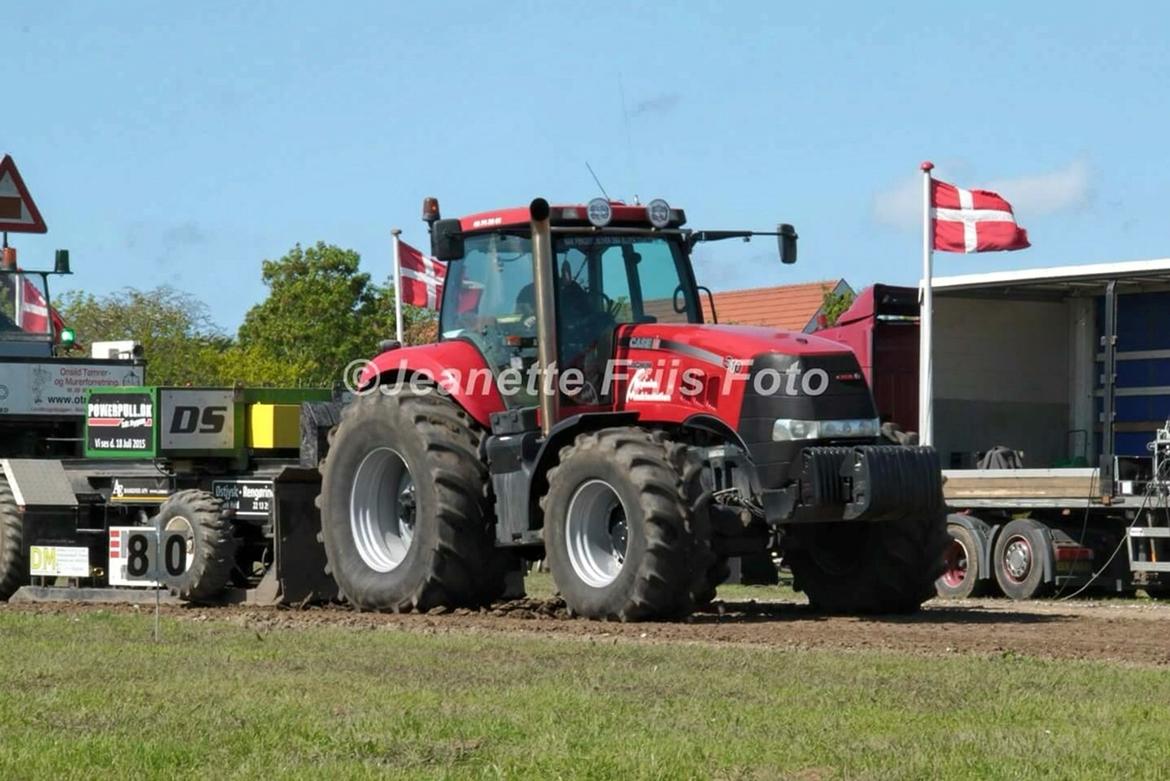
x=596, y=533
x=1017, y=559
x=382, y=509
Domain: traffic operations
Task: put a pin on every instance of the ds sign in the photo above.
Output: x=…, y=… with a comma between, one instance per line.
x=197, y=419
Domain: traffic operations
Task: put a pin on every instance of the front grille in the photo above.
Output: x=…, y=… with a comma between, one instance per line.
x=846, y=397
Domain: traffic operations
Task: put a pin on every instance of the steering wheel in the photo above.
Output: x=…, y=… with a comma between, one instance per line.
x=680, y=300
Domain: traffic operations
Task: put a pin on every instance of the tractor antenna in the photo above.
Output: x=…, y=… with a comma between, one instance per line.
x=629, y=136
x=599, y=186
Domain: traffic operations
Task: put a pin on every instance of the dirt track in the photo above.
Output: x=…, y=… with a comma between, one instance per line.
x=1126, y=631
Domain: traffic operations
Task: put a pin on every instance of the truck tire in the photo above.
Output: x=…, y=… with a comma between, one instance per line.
x=860, y=567
x=13, y=573
x=405, y=512
x=211, y=544
x=621, y=530
x=1018, y=559
x=962, y=570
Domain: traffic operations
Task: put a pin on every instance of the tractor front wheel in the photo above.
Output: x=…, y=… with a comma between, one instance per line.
x=620, y=527
x=867, y=566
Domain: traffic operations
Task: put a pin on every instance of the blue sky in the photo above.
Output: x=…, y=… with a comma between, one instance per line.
x=181, y=144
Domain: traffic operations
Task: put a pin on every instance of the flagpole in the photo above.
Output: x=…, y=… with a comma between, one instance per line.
x=926, y=319
x=397, y=286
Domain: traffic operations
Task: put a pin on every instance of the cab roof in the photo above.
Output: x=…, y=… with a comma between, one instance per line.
x=624, y=214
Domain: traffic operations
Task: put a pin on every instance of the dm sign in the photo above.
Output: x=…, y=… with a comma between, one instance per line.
x=120, y=424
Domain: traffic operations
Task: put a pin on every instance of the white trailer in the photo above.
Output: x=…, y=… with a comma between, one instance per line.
x=1068, y=370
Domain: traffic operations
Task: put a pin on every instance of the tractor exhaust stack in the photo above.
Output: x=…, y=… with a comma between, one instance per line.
x=544, y=281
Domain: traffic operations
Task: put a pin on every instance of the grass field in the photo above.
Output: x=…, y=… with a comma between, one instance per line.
x=87, y=695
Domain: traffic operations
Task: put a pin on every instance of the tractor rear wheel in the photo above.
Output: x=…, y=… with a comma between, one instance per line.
x=13, y=573
x=622, y=529
x=405, y=513
x=211, y=543
x=867, y=566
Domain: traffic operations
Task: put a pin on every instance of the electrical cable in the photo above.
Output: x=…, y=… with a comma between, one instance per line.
x=1151, y=487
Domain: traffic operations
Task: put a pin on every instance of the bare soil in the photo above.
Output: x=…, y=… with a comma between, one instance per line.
x=1127, y=631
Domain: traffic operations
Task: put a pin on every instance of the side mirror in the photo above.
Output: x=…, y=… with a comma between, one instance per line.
x=787, y=240
x=447, y=240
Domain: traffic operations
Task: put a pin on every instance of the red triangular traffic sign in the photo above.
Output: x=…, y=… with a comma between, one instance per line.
x=18, y=213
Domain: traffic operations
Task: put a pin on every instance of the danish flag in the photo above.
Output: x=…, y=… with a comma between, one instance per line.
x=422, y=277
x=33, y=314
x=973, y=220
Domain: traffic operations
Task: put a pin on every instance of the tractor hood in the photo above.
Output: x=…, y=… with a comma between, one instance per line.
x=748, y=379
x=719, y=344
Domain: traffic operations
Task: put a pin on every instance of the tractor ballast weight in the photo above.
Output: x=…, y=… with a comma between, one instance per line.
x=634, y=484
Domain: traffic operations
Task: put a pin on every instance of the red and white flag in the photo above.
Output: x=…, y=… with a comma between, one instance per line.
x=33, y=313
x=973, y=220
x=422, y=277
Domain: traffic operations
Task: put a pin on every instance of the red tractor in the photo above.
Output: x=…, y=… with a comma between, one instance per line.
x=578, y=409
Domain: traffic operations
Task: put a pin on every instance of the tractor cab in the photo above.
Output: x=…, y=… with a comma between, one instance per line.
x=601, y=280
x=42, y=387
x=611, y=265
x=27, y=325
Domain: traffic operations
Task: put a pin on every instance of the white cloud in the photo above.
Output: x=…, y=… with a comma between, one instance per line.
x=901, y=205
x=1063, y=189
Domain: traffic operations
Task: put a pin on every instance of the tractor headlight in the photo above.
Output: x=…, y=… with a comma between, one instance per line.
x=788, y=429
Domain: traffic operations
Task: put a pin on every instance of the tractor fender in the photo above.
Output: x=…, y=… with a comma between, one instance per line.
x=563, y=433
x=982, y=532
x=456, y=367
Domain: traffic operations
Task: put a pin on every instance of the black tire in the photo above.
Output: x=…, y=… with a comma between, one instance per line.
x=1018, y=559
x=13, y=573
x=860, y=567
x=1157, y=591
x=962, y=575
x=211, y=544
x=450, y=560
x=666, y=560
x=758, y=569
x=707, y=587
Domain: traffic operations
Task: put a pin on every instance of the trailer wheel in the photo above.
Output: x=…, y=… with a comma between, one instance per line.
x=211, y=544
x=13, y=573
x=620, y=527
x=867, y=566
x=961, y=577
x=405, y=513
x=1020, y=549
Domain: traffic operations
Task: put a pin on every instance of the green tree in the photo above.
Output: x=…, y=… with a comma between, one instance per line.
x=321, y=313
x=181, y=343
x=833, y=305
x=419, y=325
